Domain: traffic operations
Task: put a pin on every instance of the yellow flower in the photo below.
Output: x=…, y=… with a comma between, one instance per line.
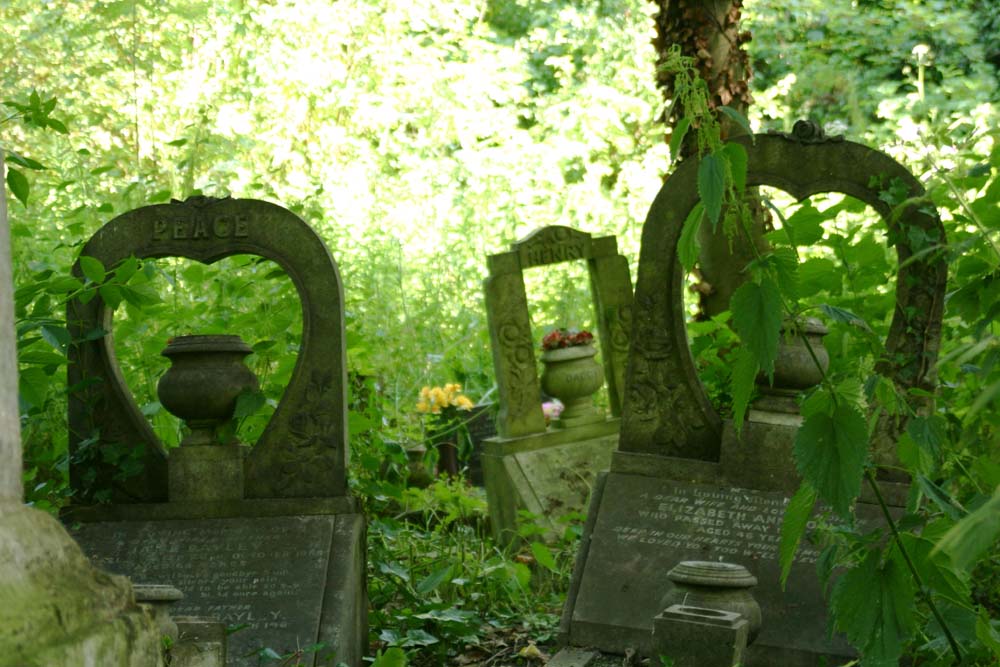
x=462, y=402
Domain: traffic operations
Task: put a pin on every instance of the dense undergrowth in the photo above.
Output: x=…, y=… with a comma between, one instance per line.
x=419, y=137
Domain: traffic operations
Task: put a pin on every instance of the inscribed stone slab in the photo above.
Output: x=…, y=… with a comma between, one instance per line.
x=267, y=573
x=646, y=525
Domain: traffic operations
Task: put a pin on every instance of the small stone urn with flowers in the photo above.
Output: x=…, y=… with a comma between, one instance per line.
x=572, y=375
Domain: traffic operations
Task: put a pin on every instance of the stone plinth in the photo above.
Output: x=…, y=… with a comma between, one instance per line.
x=696, y=637
x=548, y=474
x=291, y=581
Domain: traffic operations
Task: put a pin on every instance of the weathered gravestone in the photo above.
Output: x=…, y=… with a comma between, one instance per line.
x=681, y=486
x=56, y=609
x=549, y=471
x=267, y=538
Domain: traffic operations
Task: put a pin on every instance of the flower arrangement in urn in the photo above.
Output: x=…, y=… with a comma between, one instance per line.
x=445, y=428
x=560, y=338
x=572, y=375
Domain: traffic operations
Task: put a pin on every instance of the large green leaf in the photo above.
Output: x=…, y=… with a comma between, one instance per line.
x=743, y=379
x=677, y=137
x=18, y=184
x=688, y=246
x=756, y=312
x=92, y=268
x=712, y=186
x=830, y=451
x=793, y=527
x=936, y=570
x=736, y=156
x=872, y=605
x=971, y=537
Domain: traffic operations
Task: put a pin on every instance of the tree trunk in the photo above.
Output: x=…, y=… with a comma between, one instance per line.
x=708, y=31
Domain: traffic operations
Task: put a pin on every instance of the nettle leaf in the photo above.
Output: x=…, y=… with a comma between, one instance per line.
x=736, y=156
x=804, y=227
x=841, y=315
x=688, y=247
x=971, y=537
x=817, y=274
x=793, y=527
x=712, y=186
x=745, y=371
x=786, y=267
x=756, y=310
x=18, y=184
x=935, y=569
x=873, y=605
x=930, y=433
x=830, y=452
x=677, y=137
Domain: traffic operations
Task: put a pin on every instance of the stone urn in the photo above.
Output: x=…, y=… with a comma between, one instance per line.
x=714, y=585
x=206, y=376
x=572, y=375
x=795, y=370
x=158, y=598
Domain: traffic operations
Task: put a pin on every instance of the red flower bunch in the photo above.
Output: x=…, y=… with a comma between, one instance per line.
x=559, y=338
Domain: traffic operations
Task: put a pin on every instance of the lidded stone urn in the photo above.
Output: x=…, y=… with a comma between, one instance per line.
x=801, y=362
x=205, y=379
x=714, y=585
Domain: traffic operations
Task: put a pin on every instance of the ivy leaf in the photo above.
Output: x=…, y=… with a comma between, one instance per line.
x=92, y=268
x=736, y=155
x=971, y=537
x=712, y=186
x=677, y=137
x=830, y=451
x=745, y=370
x=688, y=246
x=18, y=184
x=756, y=312
x=793, y=527
x=873, y=605
x=738, y=118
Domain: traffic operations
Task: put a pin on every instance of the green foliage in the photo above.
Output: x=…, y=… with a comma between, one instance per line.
x=873, y=605
x=418, y=137
x=793, y=526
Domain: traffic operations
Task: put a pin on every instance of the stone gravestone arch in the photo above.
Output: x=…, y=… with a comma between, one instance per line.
x=284, y=553
x=525, y=467
x=303, y=451
x=681, y=487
